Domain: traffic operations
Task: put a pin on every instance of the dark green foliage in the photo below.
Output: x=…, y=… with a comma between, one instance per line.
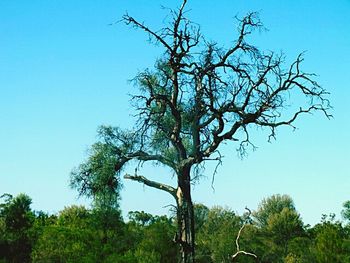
x=141, y=218
x=154, y=238
x=331, y=241
x=201, y=213
x=69, y=238
x=216, y=237
x=66, y=244
x=97, y=174
x=16, y=219
x=80, y=235
x=278, y=226
x=99, y=235
x=346, y=211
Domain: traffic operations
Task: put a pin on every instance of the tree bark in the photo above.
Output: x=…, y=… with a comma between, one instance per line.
x=185, y=217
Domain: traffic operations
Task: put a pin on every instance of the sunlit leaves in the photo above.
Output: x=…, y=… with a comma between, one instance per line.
x=270, y=206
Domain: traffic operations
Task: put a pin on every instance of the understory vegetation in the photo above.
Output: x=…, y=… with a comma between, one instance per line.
x=274, y=232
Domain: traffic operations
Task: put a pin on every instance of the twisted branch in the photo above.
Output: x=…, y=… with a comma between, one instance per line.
x=239, y=251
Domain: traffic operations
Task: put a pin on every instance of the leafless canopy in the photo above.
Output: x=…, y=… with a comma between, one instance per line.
x=200, y=95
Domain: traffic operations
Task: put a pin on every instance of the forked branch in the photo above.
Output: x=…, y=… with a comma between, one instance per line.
x=239, y=251
x=131, y=21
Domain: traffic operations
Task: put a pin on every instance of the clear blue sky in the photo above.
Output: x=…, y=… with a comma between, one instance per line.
x=64, y=71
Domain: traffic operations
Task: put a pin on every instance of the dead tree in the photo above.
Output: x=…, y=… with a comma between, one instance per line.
x=198, y=96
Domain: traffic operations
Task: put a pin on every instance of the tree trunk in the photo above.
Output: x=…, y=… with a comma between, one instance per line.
x=185, y=218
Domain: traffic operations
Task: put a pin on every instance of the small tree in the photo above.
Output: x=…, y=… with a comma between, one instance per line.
x=198, y=97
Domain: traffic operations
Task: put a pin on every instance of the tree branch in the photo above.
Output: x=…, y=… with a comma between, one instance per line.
x=239, y=251
x=143, y=156
x=130, y=20
x=141, y=179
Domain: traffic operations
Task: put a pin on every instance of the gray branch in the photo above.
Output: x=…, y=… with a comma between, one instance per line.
x=239, y=251
x=141, y=179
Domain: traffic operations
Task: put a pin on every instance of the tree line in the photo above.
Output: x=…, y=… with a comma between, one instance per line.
x=274, y=232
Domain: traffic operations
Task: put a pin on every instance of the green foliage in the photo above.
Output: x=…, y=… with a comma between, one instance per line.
x=201, y=213
x=270, y=206
x=154, y=242
x=16, y=219
x=97, y=176
x=216, y=238
x=346, y=211
x=127, y=257
x=67, y=239
x=300, y=249
x=74, y=216
x=78, y=234
x=276, y=231
x=291, y=258
x=66, y=244
x=284, y=226
x=331, y=241
x=17, y=213
x=141, y=218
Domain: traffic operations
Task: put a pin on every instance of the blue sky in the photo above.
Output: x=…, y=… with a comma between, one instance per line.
x=64, y=71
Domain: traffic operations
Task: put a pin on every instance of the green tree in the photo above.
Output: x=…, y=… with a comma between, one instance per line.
x=16, y=220
x=70, y=238
x=103, y=188
x=300, y=250
x=198, y=97
x=157, y=243
x=216, y=238
x=80, y=235
x=141, y=218
x=153, y=238
x=282, y=228
x=66, y=244
x=74, y=216
x=270, y=206
x=278, y=226
x=108, y=223
x=331, y=244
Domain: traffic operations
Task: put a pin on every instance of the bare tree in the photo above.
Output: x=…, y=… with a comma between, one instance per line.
x=198, y=96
